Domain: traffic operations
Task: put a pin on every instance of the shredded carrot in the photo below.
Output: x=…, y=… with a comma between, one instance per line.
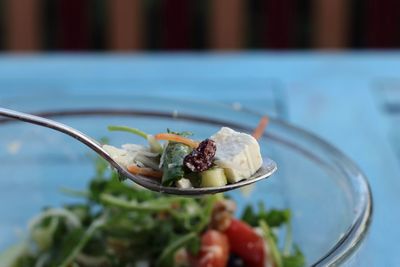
x=177, y=138
x=134, y=169
x=259, y=131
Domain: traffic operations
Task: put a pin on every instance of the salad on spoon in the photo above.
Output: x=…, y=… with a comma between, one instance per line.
x=181, y=166
x=174, y=159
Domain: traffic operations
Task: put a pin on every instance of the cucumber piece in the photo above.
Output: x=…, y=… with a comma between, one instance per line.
x=213, y=177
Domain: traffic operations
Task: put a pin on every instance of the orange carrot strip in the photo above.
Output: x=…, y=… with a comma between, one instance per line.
x=259, y=131
x=177, y=138
x=134, y=169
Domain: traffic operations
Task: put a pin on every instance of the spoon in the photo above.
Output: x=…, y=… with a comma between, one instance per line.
x=266, y=170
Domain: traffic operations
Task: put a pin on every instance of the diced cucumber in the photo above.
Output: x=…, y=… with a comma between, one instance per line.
x=232, y=175
x=213, y=178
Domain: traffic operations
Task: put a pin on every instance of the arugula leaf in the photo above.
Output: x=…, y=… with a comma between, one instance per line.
x=128, y=129
x=148, y=206
x=194, y=245
x=183, y=133
x=249, y=216
x=75, y=242
x=273, y=217
x=295, y=260
x=166, y=258
x=10, y=257
x=276, y=218
x=43, y=234
x=69, y=243
x=113, y=186
x=207, y=211
x=25, y=261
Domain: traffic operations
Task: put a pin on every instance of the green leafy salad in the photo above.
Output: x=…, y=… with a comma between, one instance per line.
x=120, y=224
x=116, y=223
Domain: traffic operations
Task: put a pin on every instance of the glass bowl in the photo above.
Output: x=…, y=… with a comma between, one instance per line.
x=328, y=195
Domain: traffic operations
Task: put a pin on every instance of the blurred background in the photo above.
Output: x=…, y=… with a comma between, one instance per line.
x=130, y=25
x=351, y=99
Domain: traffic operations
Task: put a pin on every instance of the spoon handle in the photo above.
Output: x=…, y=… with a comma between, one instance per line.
x=81, y=137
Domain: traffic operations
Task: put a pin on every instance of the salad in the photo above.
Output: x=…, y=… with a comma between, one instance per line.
x=225, y=157
x=114, y=223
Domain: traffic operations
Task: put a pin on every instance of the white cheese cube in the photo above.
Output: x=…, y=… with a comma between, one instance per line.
x=237, y=153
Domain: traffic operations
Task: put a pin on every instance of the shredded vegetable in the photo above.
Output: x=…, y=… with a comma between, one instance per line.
x=154, y=145
x=259, y=131
x=177, y=138
x=128, y=129
x=144, y=171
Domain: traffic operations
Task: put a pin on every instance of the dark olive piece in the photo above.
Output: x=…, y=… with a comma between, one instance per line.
x=235, y=261
x=201, y=158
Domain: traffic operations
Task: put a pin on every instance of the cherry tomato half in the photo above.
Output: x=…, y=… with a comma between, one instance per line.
x=214, y=251
x=246, y=243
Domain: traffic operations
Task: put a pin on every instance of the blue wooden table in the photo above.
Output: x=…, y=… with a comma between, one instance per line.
x=351, y=99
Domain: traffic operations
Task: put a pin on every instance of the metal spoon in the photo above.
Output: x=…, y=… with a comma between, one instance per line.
x=268, y=168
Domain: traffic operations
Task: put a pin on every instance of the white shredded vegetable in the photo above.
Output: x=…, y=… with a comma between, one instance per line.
x=134, y=154
x=71, y=219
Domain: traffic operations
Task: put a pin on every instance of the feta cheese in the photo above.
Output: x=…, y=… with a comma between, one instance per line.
x=237, y=153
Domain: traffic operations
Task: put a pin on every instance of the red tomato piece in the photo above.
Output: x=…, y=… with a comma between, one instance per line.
x=214, y=251
x=246, y=243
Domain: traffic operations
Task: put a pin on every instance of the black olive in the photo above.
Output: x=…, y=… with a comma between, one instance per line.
x=235, y=261
x=201, y=158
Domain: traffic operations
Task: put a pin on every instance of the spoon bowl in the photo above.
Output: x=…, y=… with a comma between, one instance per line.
x=266, y=170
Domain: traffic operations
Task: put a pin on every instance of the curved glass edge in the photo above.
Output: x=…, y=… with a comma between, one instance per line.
x=358, y=230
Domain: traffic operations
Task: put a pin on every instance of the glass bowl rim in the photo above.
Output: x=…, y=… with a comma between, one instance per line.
x=356, y=232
